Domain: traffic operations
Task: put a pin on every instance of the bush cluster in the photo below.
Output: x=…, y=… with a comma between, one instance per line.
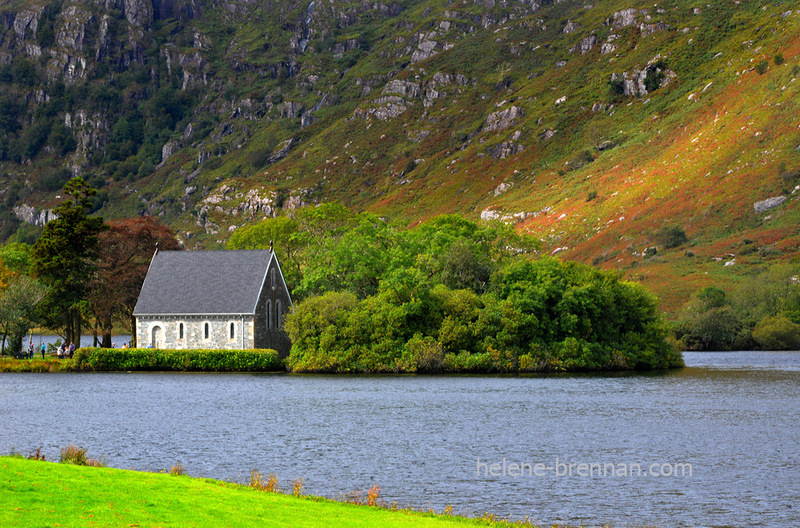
x=763, y=312
x=537, y=315
x=124, y=359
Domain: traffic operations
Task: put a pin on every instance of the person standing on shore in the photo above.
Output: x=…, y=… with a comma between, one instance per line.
x=42, y=349
x=71, y=349
x=30, y=350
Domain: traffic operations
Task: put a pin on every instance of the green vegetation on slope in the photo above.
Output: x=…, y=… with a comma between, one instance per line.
x=592, y=129
x=35, y=493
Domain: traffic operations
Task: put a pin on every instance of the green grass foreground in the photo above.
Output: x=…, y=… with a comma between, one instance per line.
x=36, y=493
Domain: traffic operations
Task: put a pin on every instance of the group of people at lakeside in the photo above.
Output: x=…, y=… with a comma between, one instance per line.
x=63, y=351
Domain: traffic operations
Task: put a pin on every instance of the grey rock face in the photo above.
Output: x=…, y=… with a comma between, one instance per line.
x=282, y=151
x=769, y=203
x=26, y=22
x=405, y=88
x=426, y=48
x=503, y=118
x=609, y=46
x=571, y=27
x=139, y=12
x=606, y=145
x=634, y=81
x=585, y=45
x=505, y=149
x=169, y=148
x=33, y=216
x=72, y=31
x=624, y=18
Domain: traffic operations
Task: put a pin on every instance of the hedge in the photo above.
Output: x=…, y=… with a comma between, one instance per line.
x=203, y=360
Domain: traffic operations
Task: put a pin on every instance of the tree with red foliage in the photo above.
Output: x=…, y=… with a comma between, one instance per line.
x=125, y=251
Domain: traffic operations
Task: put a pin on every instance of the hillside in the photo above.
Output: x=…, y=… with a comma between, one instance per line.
x=593, y=126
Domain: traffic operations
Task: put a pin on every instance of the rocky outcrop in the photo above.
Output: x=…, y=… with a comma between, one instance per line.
x=570, y=27
x=425, y=48
x=635, y=83
x=26, y=23
x=505, y=149
x=281, y=151
x=394, y=102
x=503, y=118
x=33, y=216
x=407, y=89
x=138, y=12
x=585, y=45
x=169, y=148
x=72, y=29
x=769, y=203
x=624, y=18
x=194, y=67
x=609, y=46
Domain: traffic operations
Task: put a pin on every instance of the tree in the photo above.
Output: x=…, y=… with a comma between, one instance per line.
x=16, y=256
x=283, y=233
x=63, y=258
x=124, y=253
x=18, y=309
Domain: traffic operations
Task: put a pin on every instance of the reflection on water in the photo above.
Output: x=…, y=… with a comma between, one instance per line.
x=733, y=417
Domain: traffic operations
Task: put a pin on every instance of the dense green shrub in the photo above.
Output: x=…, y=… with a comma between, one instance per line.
x=580, y=159
x=117, y=359
x=777, y=333
x=762, y=312
x=542, y=315
x=671, y=236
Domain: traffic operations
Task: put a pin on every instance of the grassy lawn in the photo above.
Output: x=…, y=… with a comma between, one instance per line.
x=34, y=493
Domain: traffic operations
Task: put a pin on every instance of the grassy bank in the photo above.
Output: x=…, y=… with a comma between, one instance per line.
x=142, y=359
x=35, y=493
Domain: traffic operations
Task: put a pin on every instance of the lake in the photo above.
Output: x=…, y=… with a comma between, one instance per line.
x=729, y=419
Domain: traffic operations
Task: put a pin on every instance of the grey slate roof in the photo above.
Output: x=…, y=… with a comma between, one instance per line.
x=203, y=282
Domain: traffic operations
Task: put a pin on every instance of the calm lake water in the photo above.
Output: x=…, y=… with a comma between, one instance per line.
x=732, y=416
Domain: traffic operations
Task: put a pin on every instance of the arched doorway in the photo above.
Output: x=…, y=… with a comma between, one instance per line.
x=157, y=340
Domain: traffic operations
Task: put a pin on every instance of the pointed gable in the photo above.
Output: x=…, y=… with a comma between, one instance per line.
x=203, y=282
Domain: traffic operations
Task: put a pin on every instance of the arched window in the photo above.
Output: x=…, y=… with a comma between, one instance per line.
x=233, y=330
x=272, y=277
x=157, y=337
x=269, y=314
x=205, y=331
x=278, y=314
x=180, y=330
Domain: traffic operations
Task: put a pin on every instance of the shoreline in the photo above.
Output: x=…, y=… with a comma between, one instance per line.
x=274, y=365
